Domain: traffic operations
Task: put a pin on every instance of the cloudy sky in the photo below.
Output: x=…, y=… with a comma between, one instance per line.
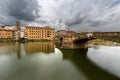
x=103, y=15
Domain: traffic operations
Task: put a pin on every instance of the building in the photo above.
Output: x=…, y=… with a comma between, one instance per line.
x=71, y=32
x=7, y=27
x=22, y=34
x=60, y=33
x=6, y=34
x=17, y=31
x=10, y=31
x=18, y=26
x=68, y=32
x=38, y=33
x=6, y=31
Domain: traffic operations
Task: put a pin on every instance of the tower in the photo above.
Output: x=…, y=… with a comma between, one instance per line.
x=17, y=30
x=18, y=25
x=68, y=29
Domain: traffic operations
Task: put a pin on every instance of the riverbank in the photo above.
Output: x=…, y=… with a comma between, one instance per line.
x=25, y=40
x=102, y=42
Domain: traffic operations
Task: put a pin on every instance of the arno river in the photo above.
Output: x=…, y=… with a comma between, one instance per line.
x=43, y=61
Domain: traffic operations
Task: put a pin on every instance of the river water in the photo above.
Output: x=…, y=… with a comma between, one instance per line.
x=43, y=61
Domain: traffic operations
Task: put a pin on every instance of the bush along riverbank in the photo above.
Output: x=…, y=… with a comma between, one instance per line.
x=103, y=42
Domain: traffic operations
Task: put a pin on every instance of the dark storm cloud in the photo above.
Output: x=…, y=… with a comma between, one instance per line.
x=74, y=21
x=95, y=23
x=27, y=10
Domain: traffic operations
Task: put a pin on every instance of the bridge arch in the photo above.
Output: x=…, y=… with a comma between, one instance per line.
x=61, y=40
x=74, y=41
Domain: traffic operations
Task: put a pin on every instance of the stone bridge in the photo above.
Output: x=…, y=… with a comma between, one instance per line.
x=79, y=40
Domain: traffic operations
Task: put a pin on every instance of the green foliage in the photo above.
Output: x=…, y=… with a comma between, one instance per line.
x=7, y=40
x=41, y=40
x=99, y=40
x=118, y=39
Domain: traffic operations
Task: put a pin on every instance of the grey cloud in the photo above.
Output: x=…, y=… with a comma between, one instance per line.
x=26, y=10
x=114, y=3
x=95, y=23
x=41, y=21
x=74, y=21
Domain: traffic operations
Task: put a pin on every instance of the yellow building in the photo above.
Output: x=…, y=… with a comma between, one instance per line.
x=6, y=34
x=38, y=33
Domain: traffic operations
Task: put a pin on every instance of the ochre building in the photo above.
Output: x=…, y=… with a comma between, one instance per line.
x=38, y=33
x=6, y=34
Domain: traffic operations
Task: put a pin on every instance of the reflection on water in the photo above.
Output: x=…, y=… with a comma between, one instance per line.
x=5, y=44
x=107, y=58
x=40, y=66
x=29, y=48
x=83, y=64
x=7, y=49
x=42, y=61
x=35, y=47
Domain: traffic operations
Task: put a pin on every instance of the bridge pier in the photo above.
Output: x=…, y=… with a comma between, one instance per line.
x=71, y=45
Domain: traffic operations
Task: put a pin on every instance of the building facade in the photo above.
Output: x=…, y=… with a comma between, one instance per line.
x=6, y=34
x=22, y=34
x=10, y=31
x=38, y=33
